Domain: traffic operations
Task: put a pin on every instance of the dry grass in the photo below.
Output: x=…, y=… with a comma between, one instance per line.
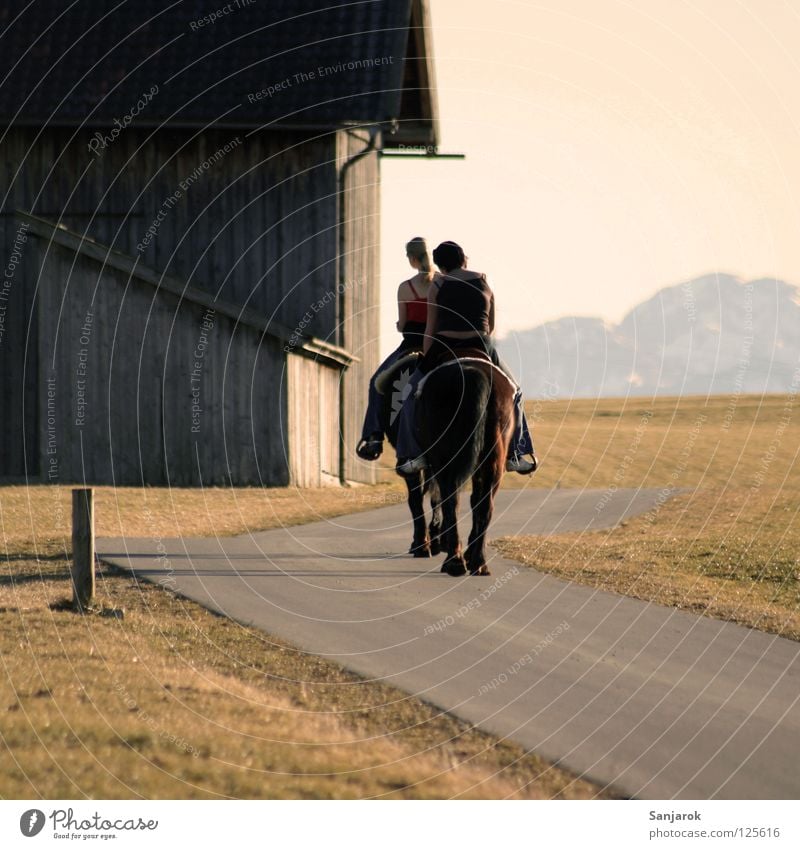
x=688, y=442
x=41, y=516
x=174, y=702
x=728, y=548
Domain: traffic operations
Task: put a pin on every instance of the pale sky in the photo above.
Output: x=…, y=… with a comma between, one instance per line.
x=613, y=148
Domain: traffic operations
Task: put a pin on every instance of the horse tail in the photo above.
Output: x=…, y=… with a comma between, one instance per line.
x=456, y=401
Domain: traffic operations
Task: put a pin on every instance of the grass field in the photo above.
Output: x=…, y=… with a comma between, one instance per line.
x=725, y=540
x=172, y=701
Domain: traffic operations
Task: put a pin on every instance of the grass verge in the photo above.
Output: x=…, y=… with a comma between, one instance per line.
x=727, y=548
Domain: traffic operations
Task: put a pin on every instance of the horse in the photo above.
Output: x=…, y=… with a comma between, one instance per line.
x=391, y=385
x=464, y=421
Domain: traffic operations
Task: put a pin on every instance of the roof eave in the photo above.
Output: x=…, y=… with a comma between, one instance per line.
x=418, y=125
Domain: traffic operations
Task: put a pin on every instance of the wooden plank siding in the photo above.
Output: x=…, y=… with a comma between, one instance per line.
x=361, y=276
x=313, y=422
x=259, y=228
x=18, y=350
x=125, y=362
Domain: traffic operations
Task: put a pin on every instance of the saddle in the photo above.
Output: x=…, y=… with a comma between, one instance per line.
x=385, y=379
x=460, y=356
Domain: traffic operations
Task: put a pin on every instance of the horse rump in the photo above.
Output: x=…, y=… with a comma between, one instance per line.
x=451, y=420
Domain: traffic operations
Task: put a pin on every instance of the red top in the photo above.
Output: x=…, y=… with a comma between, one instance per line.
x=416, y=310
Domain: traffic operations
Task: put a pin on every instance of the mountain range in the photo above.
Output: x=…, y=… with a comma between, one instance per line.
x=716, y=334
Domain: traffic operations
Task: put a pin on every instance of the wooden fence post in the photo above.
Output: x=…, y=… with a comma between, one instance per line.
x=82, y=548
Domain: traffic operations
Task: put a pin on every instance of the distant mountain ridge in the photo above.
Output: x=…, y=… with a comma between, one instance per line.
x=715, y=334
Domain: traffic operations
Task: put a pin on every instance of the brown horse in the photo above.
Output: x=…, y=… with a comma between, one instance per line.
x=391, y=385
x=464, y=420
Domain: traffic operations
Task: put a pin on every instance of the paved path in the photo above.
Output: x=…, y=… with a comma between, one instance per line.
x=653, y=701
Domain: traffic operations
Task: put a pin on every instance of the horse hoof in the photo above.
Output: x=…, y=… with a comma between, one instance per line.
x=481, y=570
x=419, y=551
x=435, y=548
x=454, y=566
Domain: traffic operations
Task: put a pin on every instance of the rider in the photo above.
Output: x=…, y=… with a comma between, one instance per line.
x=412, y=309
x=460, y=315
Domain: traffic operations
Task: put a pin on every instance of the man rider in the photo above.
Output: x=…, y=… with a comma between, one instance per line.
x=461, y=314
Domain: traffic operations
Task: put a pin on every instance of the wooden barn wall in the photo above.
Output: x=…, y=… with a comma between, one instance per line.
x=361, y=325
x=313, y=422
x=18, y=348
x=257, y=224
x=121, y=367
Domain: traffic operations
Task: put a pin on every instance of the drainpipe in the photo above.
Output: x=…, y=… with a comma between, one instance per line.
x=342, y=288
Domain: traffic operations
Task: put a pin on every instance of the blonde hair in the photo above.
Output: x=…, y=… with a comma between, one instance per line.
x=418, y=248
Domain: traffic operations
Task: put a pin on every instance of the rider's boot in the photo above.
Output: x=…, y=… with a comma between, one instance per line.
x=522, y=466
x=411, y=465
x=370, y=448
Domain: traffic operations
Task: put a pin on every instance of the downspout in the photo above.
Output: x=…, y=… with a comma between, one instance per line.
x=342, y=288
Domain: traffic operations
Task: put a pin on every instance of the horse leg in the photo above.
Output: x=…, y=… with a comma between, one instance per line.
x=485, y=483
x=420, y=545
x=435, y=527
x=454, y=563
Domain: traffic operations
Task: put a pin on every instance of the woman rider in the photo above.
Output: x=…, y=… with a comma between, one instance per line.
x=460, y=315
x=412, y=309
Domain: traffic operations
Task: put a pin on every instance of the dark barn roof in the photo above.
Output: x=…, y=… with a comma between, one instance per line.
x=283, y=63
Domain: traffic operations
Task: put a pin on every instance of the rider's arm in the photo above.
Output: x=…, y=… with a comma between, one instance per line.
x=430, y=325
x=401, y=308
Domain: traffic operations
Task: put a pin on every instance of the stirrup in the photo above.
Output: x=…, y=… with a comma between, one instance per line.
x=411, y=465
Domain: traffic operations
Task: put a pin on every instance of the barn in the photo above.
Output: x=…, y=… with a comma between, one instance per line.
x=190, y=228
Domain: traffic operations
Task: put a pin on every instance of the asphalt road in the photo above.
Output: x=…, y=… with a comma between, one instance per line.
x=652, y=701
